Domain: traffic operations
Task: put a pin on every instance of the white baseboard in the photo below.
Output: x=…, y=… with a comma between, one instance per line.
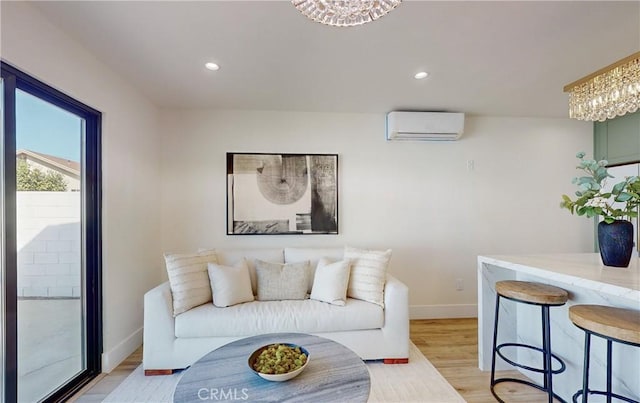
x=443, y=311
x=112, y=358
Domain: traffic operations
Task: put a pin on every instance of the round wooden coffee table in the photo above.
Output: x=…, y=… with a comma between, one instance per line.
x=334, y=374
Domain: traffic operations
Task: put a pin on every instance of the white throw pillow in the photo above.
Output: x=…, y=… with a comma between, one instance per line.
x=188, y=279
x=331, y=281
x=276, y=282
x=368, y=274
x=230, y=285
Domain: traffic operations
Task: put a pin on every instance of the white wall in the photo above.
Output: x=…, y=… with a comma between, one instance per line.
x=48, y=242
x=132, y=259
x=420, y=199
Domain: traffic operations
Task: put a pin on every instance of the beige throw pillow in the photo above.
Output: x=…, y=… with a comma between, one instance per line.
x=277, y=281
x=331, y=281
x=230, y=285
x=188, y=279
x=368, y=274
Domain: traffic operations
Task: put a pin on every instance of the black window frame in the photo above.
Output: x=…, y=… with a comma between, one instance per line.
x=14, y=79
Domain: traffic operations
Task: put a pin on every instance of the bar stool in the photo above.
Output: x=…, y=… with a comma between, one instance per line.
x=612, y=324
x=542, y=295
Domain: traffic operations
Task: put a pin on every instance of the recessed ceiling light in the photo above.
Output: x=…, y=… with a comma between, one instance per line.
x=421, y=75
x=212, y=66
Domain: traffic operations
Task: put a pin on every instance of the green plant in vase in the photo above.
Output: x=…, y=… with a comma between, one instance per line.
x=617, y=207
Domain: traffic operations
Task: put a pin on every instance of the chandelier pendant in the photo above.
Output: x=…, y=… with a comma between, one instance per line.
x=609, y=92
x=344, y=13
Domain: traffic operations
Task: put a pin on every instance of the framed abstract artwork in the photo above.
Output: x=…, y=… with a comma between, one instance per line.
x=270, y=194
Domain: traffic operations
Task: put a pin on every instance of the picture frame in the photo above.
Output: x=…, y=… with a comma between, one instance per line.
x=282, y=193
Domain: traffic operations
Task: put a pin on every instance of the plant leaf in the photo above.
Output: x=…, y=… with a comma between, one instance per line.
x=623, y=197
x=618, y=188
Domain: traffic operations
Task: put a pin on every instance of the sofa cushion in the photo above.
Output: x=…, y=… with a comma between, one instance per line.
x=188, y=279
x=230, y=285
x=258, y=317
x=331, y=281
x=282, y=281
x=368, y=273
x=313, y=255
x=230, y=257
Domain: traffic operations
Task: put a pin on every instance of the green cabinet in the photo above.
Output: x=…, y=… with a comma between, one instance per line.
x=618, y=140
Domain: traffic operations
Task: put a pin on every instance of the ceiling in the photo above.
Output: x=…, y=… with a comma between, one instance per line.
x=484, y=58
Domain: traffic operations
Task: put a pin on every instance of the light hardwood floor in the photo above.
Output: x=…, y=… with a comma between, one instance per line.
x=450, y=344
x=100, y=387
x=452, y=347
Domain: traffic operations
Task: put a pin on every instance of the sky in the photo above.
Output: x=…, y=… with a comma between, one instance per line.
x=45, y=128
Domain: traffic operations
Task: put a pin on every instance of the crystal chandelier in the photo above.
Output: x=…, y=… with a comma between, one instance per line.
x=345, y=13
x=607, y=93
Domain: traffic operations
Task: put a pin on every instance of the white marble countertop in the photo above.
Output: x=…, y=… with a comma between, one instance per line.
x=584, y=269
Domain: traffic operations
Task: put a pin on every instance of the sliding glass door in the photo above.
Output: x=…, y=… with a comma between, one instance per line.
x=51, y=185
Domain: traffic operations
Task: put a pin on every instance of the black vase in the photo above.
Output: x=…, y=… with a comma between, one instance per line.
x=616, y=242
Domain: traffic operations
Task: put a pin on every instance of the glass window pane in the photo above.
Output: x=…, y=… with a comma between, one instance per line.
x=49, y=225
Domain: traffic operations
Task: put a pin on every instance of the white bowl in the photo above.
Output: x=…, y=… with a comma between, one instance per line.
x=278, y=377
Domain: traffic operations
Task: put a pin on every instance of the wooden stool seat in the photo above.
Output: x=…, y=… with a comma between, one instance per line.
x=533, y=293
x=616, y=323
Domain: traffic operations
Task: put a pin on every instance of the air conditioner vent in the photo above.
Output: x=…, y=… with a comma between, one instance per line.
x=424, y=126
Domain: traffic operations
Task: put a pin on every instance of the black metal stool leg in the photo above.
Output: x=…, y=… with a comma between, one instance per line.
x=585, y=370
x=495, y=341
x=546, y=346
x=545, y=366
x=609, y=343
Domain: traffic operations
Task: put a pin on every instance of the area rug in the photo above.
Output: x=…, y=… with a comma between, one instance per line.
x=418, y=381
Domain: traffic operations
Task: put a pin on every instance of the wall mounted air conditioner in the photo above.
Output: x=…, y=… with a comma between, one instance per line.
x=424, y=126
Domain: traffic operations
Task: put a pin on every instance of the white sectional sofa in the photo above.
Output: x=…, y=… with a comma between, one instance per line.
x=371, y=331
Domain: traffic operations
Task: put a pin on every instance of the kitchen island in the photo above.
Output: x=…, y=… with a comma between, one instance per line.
x=588, y=282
